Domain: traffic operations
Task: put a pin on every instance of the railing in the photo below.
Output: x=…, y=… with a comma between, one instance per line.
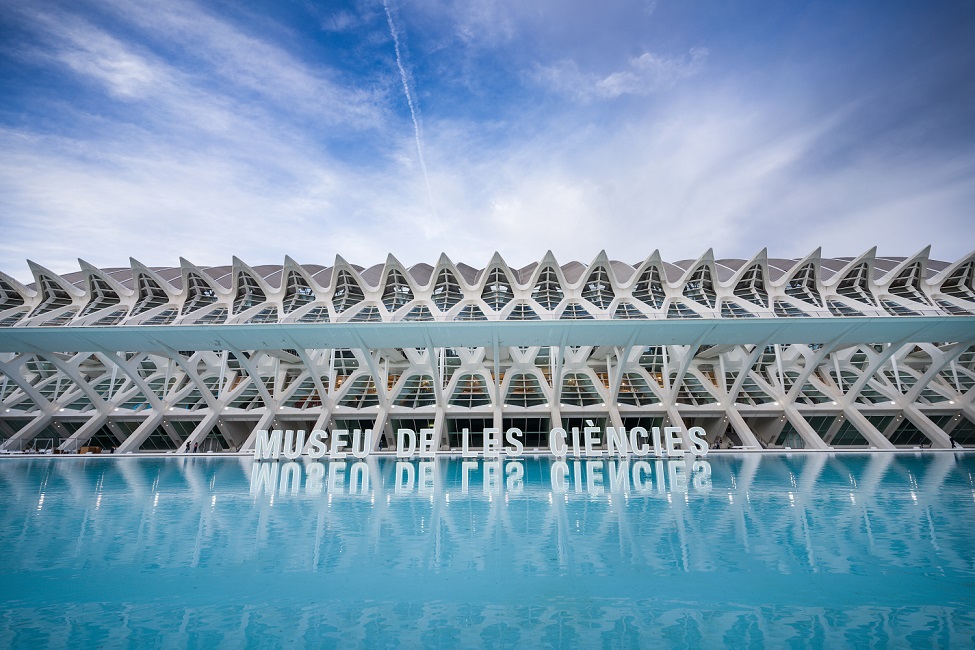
x=702, y=314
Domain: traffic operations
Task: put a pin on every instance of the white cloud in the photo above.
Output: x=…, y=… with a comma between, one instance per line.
x=644, y=75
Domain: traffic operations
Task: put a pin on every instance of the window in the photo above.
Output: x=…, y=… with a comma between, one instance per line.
x=297, y=293
x=417, y=391
x=361, y=394
x=218, y=315
x=731, y=309
x=598, y=289
x=635, y=391
x=347, y=292
x=574, y=311
x=961, y=283
x=907, y=284
x=446, y=292
x=838, y=308
x=855, y=285
x=397, y=291
x=102, y=296
x=497, y=292
x=649, y=289
x=368, y=314
x=548, y=292
x=471, y=390
x=151, y=295
x=199, y=293
x=678, y=309
x=802, y=285
x=249, y=293
x=469, y=313
x=266, y=315
x=578, y=390
x=628, y=311
x=700, y=287
x=53, y=296
x=315, y=315
x=419, y=313
x=785, y=309
x=9, y=297
x=751, y=286
x=522, y=311
x=524, y=390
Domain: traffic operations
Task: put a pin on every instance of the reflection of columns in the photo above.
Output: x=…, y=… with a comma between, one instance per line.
x=937, y=472
x=812, y=469
x=134, y=475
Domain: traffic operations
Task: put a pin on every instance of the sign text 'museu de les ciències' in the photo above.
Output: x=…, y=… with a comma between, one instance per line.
x=670, y=442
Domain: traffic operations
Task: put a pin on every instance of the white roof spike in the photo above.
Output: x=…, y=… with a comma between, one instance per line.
x=37, y=270
x=392, y=261
x=496, y=260
x=601, y=258
x=706, y=259
x=90, y=270
x=760, y=258
x=17, y=285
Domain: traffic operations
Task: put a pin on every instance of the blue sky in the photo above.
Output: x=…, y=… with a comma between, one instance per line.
x=260, y=129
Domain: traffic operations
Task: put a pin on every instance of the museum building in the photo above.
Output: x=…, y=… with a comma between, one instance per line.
x=766, y=353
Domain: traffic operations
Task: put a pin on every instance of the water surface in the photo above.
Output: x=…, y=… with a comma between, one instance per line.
x=757, y=550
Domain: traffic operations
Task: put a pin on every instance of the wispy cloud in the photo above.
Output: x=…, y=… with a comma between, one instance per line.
x=644, y=75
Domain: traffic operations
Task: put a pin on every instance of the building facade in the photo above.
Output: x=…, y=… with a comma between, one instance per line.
x=765, y=353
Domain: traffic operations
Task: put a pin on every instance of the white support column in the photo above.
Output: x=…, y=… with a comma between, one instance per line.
x=748, y=438
x=806, y=432
x=135, y=440
x=860, y=421
x=939, y=439
x=200, y=432
x=379, y=426
x=78, y=439
x=28, y=432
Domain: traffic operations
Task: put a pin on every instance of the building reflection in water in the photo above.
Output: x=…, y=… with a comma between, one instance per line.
x=638, y=544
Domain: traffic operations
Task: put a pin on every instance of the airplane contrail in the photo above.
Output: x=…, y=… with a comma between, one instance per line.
x=414, y=108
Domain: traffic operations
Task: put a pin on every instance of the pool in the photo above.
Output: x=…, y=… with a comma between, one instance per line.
x=802, y=550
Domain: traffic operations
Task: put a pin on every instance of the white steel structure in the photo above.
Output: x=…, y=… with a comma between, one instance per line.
x=815, y=353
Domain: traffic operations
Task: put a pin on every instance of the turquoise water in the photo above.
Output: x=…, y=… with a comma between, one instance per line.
x=754, y=550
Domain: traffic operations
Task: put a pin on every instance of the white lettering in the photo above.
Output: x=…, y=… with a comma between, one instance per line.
x=402, y=451
x=513, y=434
x=556, y=442
x=268, y=445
